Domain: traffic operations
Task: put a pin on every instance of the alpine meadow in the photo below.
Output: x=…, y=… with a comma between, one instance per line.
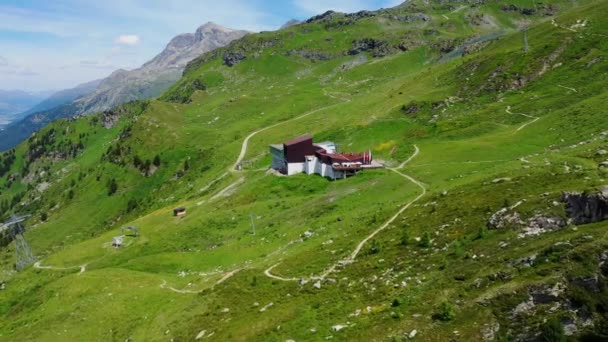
x=485, y=220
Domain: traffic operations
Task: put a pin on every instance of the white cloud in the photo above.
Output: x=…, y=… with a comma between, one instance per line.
x=3, y=61
x=127, y=39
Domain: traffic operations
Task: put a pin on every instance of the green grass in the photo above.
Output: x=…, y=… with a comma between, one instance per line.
x=466, y=140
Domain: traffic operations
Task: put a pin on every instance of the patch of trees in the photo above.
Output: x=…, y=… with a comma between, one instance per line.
x=117, y=154
x=145, y=167
x=184, y=91
x=7, y=205
x=6, y=162
x=46, y=144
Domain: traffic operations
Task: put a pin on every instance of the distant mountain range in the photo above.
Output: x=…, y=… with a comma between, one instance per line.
x=13, y=102
x=63, y=97
x=122, y=86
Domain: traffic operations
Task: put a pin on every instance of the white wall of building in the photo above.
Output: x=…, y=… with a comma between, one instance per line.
x=295, y=168
x=314, y=166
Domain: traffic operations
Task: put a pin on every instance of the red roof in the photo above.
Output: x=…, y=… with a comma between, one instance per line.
x=298, y=140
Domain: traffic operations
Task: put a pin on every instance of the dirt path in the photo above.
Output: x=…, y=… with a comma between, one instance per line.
x=226, y=276
x=38, y=265
x=569, y=88
x=166, y=287
x=270, y=275
x=508, y=110
x=226, y=190
x=351, y=258
x=416, y=151
x=246, y=141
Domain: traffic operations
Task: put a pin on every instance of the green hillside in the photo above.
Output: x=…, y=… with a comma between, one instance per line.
x=470, y=116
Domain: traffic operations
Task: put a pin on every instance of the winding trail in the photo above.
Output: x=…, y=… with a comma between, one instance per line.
x=569, y=88
x=228, y=276
x=164, y=284
x=351, y=258
x=416, y=151
x=269, y=274
x=245, y=144
x=508, y=110
x=38, y=265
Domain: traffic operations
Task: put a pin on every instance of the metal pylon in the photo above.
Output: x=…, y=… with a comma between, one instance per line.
x=23, y=253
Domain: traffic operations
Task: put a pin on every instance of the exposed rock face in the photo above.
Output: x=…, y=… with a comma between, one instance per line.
x=540, y=224
x=159, y=73
x=532, y=226
x=233, y=58
x=503, y=218
x=309, y=54
x=378, y=48
x=583, y=208
x=410, y=18
x=329, y=15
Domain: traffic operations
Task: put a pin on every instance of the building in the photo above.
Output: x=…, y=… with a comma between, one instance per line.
x=117, y=241
x=179, y=211
x=301, y=155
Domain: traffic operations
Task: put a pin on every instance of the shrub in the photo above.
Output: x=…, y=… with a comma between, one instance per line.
x=552, y=331
x=481, y=233
x=44, y=216
x=156, y=161
x=375, y=247
x=112, y=187
x=131, y=205
x=425, y=241
x=445, y=313
x=405, y=239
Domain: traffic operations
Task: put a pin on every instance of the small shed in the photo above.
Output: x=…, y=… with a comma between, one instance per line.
x=117, y=241
x=179, y=211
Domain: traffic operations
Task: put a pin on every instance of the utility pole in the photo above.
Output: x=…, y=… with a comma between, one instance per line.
x=526, y=48
x=252, y=223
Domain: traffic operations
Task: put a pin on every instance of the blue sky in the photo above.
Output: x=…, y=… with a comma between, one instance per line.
x=58, y=44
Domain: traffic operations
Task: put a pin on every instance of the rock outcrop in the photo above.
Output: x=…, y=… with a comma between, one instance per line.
x=583, y=208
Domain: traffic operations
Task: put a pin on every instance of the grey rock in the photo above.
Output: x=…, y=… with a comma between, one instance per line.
x=583, y=208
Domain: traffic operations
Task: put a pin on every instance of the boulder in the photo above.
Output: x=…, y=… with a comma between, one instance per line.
x=233, y=58
x=503, y=218
x=584, y=208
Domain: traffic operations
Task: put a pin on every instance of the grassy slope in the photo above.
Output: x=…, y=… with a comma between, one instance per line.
x=120, y=294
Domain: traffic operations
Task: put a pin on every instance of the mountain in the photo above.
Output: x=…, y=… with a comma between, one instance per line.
x=158, y=74
x=13, y=102
x=290, y=23
x=62, y=97
x=487, y=223
x=123, y=86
